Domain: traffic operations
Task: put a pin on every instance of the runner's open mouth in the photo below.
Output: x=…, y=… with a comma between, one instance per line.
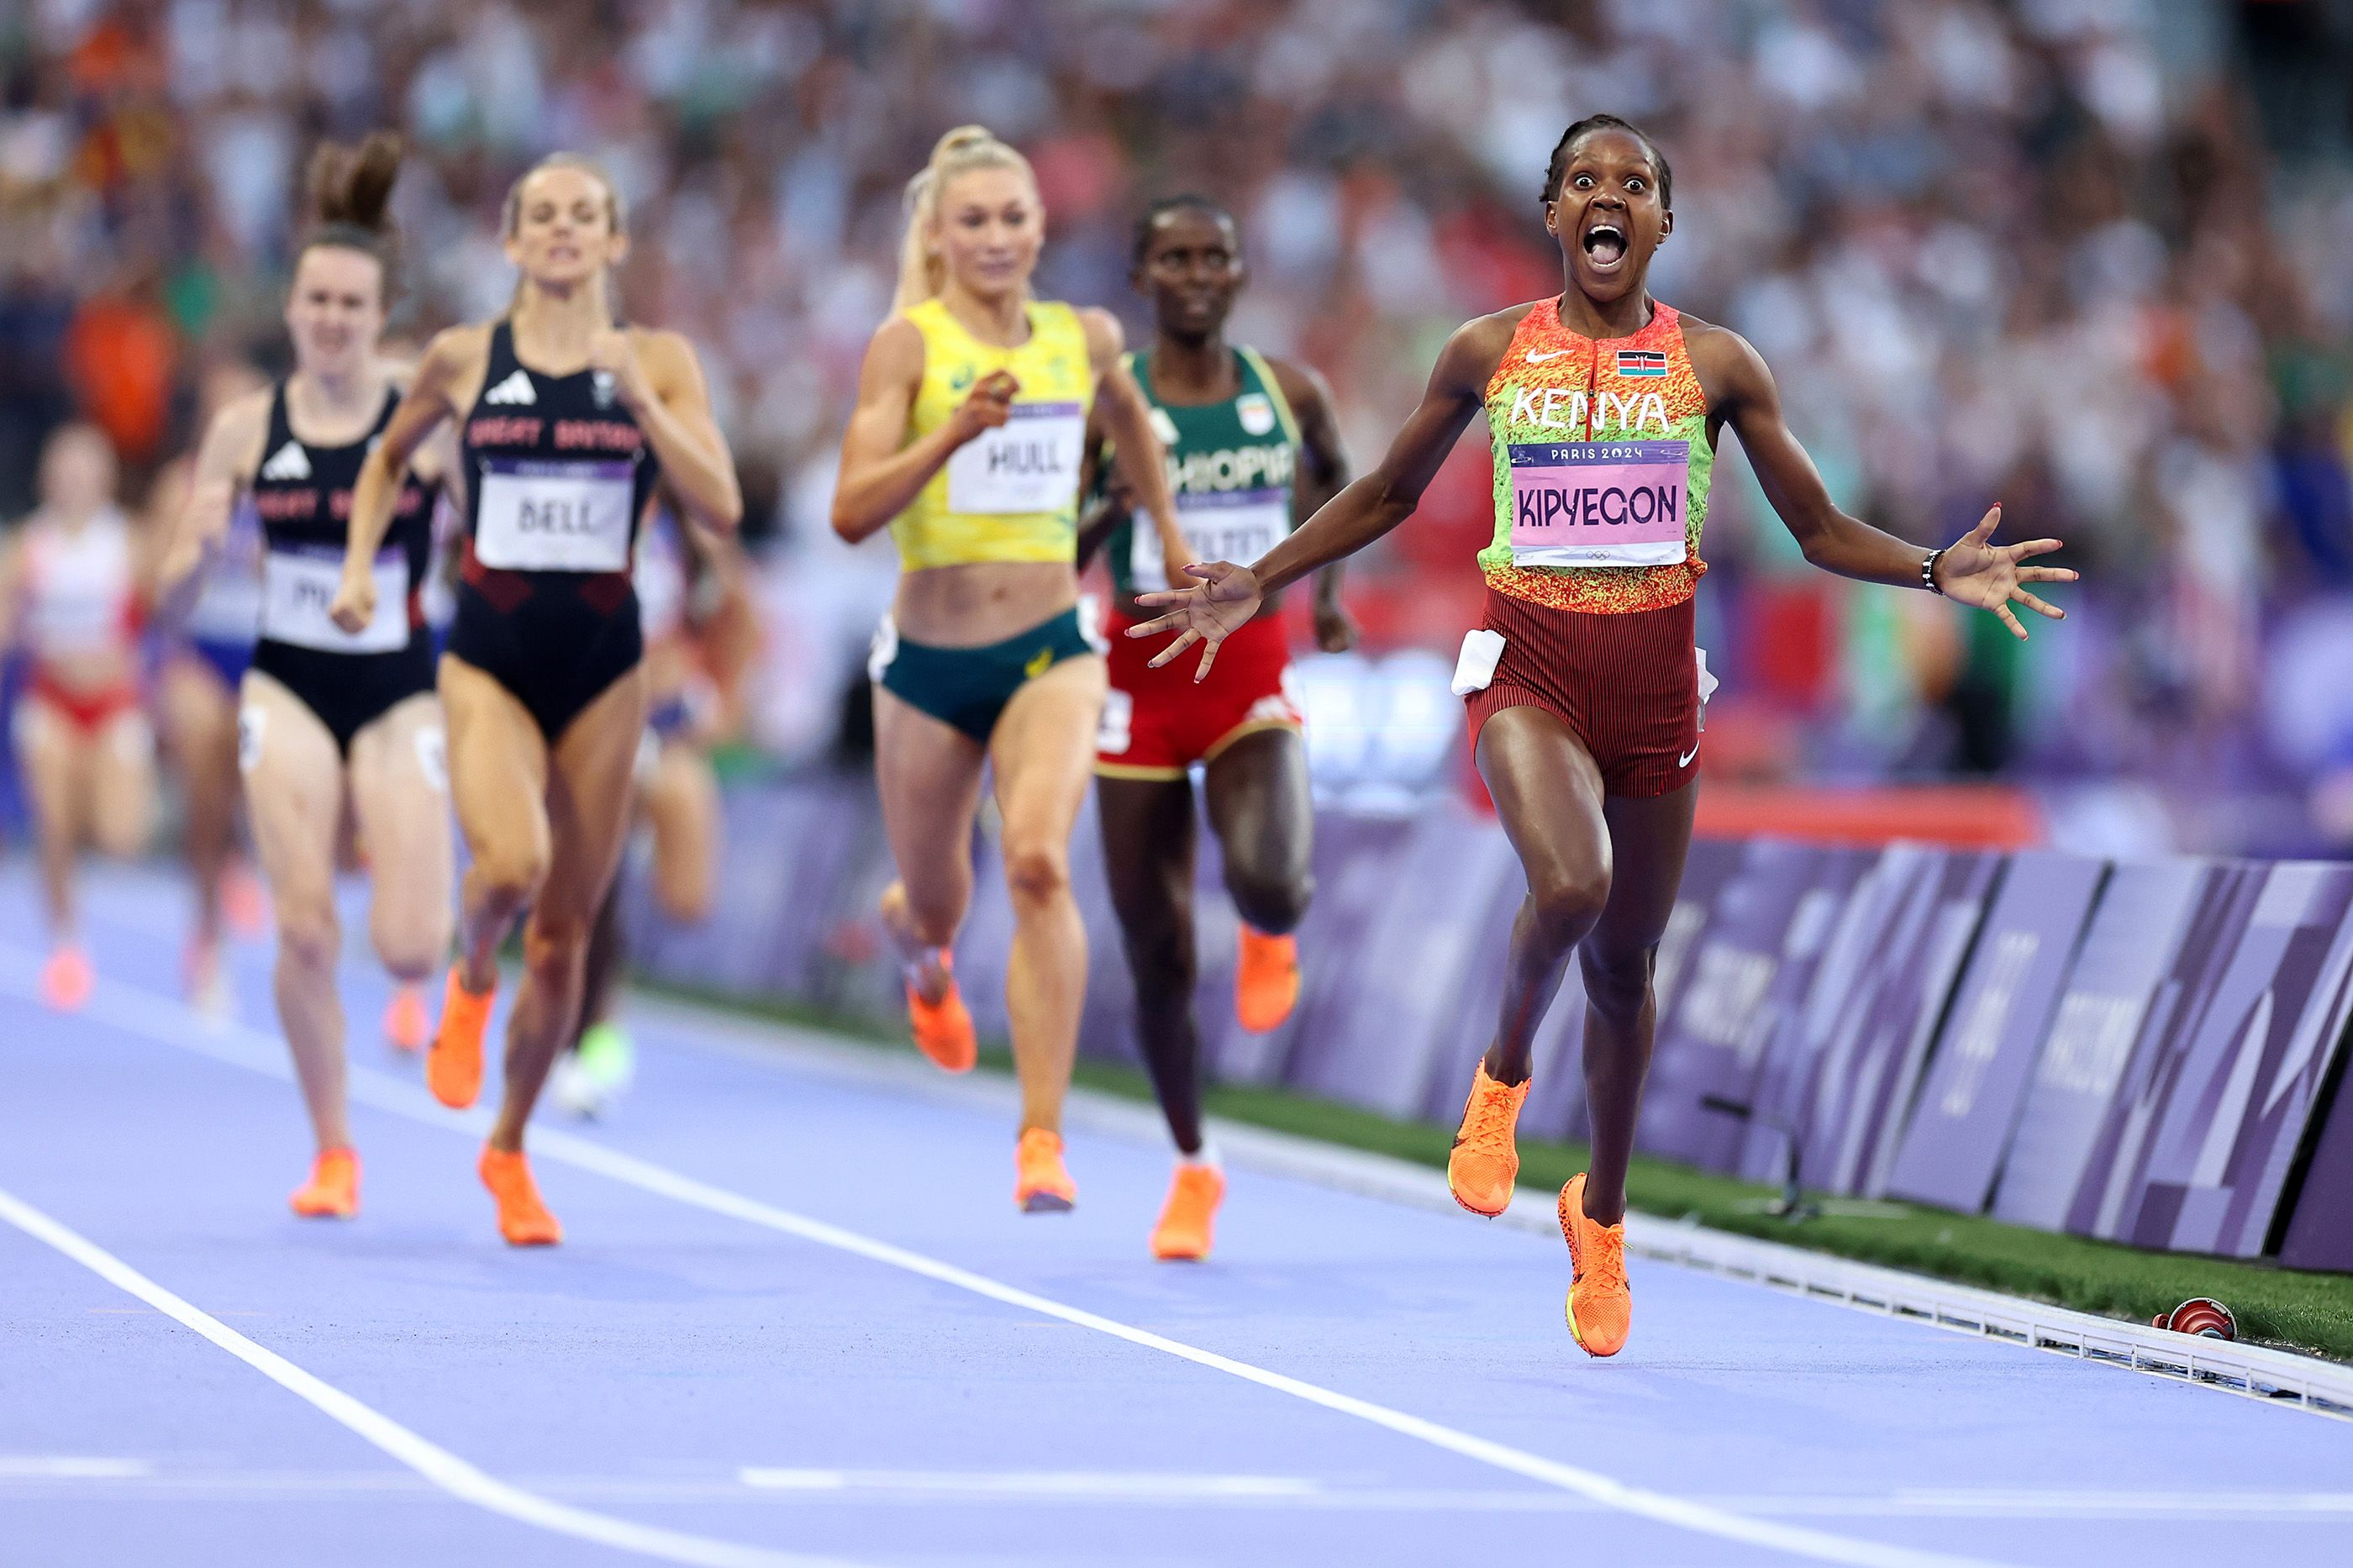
x=1605, y=242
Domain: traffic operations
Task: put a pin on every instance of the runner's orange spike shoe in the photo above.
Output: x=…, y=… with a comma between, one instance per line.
x=1600, y=1304
x=333, y=1190
x=1041, y=1183
x=944, y=1029
x=1486, y=1157
x=523, y=1220
x=453, y=1068
x=68, y=979
x=1189, y=1215
x=404, y=1023
x=1266, y=980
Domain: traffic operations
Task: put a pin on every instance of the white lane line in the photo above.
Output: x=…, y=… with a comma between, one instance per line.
x=434, y=1463
x=898, y=1489
x=169, y=1022
x=1133, y=1486
x=69, y=1467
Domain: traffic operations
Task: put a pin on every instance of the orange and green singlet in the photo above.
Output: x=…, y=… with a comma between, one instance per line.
x=1602, y=465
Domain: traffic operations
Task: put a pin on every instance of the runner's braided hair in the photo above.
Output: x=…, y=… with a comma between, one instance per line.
x=1183, y=202
x=1559, y=171
x=349, y=194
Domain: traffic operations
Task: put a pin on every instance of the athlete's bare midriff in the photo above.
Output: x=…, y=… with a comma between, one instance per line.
x=978, y=602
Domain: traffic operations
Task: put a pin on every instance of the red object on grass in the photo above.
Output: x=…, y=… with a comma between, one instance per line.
x=2200, y=1315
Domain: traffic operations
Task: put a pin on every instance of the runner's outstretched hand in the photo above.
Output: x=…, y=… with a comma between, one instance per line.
x=1975, y=570
x=1207, y=613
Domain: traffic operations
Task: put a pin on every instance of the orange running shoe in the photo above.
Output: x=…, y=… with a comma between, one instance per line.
x=523, y=1220
x=944, y=1029
x=334, y=1189
x=1600, y=1304
x=1190, y=1214
x=68, y=979
x=1041, y=1183
x=1486, y=1158
x=453, y=1068
x=404, y=1023
x=1266, y=980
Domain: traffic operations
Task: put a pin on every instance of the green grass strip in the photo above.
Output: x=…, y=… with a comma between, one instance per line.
x=2312, y=1313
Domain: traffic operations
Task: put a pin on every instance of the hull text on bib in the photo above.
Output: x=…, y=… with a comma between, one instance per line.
x=1028, y=464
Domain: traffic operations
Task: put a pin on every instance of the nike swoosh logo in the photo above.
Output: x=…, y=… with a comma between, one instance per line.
x=1536, y=358
x=1684, y=761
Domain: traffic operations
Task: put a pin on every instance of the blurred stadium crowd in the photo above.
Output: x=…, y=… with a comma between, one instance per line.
x=2092, y=257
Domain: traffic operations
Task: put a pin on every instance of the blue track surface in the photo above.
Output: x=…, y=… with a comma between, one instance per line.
x=689, y=1332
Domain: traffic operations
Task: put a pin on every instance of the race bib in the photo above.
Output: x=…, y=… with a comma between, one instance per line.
x=540, y=515
x=1599, y=503
x=1231, y=525
x=299, y=586
x=1028, y=464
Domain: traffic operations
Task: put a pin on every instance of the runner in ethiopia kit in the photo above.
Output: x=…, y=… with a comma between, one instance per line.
x=974, y=404
x=1605, y=407
x=330, y=718
x=566, y=424
x=1251, y=448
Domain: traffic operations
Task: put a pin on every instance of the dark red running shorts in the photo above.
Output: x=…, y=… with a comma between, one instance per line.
x=1627, y=685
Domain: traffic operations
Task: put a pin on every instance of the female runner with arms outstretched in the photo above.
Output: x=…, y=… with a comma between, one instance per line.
x=1604, y=407
x=566, y=423
x=974, y=406
x=328, y=716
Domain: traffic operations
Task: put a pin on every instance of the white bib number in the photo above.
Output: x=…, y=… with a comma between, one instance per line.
x=1238, y=526
x=539, y=516
x=299, y=586
x=1028, y=464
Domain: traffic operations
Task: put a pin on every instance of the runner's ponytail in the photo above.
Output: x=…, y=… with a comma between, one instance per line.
x=348, y=193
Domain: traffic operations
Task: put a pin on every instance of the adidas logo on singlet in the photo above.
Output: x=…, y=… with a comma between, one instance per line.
x=288, y=462
x=515, y=388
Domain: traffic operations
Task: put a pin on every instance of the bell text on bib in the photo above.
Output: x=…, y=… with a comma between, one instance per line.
x=554, y=516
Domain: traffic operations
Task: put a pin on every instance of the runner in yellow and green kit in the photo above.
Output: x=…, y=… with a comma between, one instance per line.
x=1583, y=683
x=974, y=404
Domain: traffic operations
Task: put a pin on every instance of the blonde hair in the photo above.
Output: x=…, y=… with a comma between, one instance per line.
x=922, y=272
x=616, y=215
x=615, y=212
